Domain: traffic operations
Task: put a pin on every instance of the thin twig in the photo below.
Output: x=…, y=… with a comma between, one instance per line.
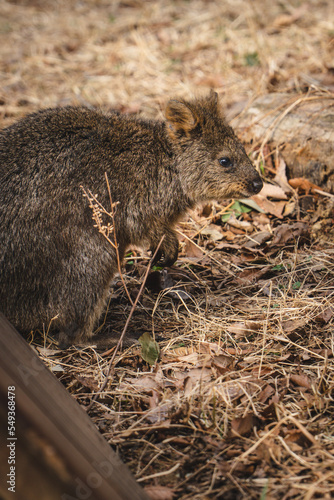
x=120, y=340
x=323, y=193
x=98, y=209
x=119, y=267
x=265, y=328
x=160, y=474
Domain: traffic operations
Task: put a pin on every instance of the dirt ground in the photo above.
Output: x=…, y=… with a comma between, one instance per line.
x=240, y=404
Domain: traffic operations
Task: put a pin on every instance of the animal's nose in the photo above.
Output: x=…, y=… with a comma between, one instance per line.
x=257, y=185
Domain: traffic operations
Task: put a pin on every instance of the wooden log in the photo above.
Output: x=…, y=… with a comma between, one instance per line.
x=302, y=126
x=54, y=449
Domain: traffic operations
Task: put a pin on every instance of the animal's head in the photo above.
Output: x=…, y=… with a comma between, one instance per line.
x=213, y=162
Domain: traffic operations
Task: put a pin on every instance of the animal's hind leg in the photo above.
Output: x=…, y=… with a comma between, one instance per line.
x=68, y=335
x=81, y=332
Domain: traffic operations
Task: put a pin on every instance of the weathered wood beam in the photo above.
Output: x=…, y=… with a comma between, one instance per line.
x=56, y=451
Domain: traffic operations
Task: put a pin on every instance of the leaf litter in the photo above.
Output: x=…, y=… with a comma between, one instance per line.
x=241, y=397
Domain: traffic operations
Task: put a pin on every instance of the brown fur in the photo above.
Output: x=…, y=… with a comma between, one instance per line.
x=53, y=262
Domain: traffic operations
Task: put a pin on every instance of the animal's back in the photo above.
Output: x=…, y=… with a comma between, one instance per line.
x=46, y=233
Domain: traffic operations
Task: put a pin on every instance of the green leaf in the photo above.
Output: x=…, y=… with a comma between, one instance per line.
x=157, y=268
x=278, y=267
x=225, y=217
x=264, y=491
x=252, y=59
x=238, y=208
x=176, y=346
x=296, y=285
x=150, y=349
x=253, y=205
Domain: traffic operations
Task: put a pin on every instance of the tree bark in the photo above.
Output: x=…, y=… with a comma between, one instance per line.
x=301, y=126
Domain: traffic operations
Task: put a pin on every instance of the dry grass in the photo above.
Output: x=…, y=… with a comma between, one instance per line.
x=134, y=54
x=241, y=403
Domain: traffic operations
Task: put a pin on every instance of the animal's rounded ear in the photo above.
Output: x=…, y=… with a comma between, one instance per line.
x=213, y=98
x=180, y=117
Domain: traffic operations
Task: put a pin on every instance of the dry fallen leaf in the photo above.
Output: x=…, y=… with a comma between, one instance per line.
x=158, y=414
x=301, y=380
x=284, y=20
x=289, y=208
x=243, y=425
x=240, y=224
x=192, y=251
x=159, y=492
x=89, y=382
x=270, y=207
x=280, y=177
x=223, y=363
x=145, y=383
x=303, y=184
x=199, y=375
x=249, y=276
x=266, y=393
x=326, y=315
x=291, y=325
x=213, y=232
x=258, y=239
x=212, y=81
x=273, y=191
x=181, y=351
x=296, y=436
x=45, y=351
x=244, y=328
x=289, y=233
x=228, y=236
x=189, y=358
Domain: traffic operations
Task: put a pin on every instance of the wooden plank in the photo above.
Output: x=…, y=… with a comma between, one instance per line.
x=58, y=451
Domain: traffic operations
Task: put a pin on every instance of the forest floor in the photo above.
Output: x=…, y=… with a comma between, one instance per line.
x=240, y=404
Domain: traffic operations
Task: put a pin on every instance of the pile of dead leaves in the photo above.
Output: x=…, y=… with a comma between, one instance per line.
x=238, y=403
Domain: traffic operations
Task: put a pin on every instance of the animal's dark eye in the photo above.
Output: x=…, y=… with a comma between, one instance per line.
x=225, y=161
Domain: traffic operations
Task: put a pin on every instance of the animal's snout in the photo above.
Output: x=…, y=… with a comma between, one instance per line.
x=256, y=185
